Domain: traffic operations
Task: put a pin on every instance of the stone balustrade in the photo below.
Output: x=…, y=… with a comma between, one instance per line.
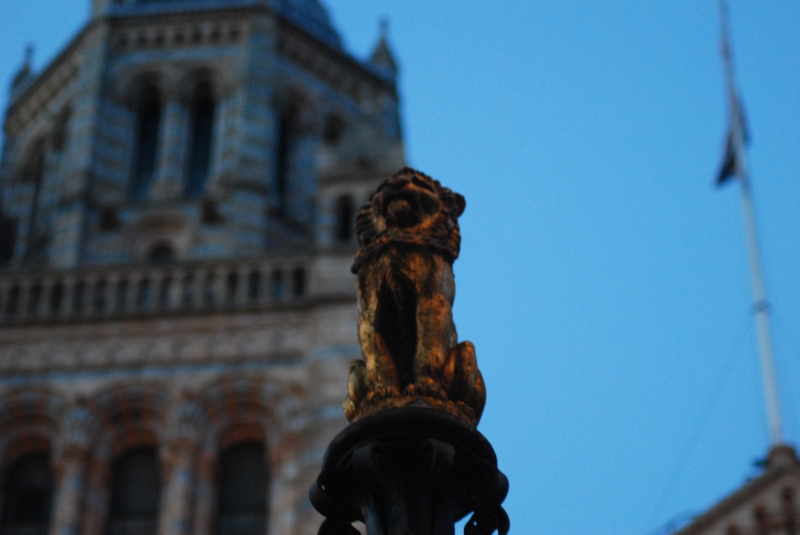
x=146, y=290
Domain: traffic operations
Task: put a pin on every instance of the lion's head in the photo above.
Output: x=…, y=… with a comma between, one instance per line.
x=410, y=208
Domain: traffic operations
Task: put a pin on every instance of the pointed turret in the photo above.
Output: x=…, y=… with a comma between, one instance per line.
x=24, y=75
x=382, y=58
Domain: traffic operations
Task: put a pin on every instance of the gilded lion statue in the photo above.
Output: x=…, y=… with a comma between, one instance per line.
x=408, y=239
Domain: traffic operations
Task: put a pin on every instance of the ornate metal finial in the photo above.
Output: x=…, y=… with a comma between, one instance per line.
x=408, y=239
x=28, y=58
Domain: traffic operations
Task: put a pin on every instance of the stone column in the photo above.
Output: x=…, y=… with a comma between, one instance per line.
x=168, y=182
x=284, y=495
x=97, y=496
x=174, y=516
x=71, y=479
x=205, y=495
x=185, y=424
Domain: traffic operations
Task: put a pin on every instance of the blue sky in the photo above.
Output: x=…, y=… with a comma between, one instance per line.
x=603, y=279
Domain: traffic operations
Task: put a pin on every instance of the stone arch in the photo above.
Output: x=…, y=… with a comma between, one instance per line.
x=78, y=428
x=129, y=418
x=130, y=83
x=28, y=427
x=297, y=102
x=184, y=419
x=163, y=227
x=130, y=415
x=247, y=403
x=205, y=74
x=243, y=413
x=32, y=154
x=29, y=421
x=334, y=123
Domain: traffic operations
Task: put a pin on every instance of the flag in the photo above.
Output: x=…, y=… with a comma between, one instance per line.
x=728, y=168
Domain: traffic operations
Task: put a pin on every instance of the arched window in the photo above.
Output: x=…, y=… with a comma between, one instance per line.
x=28, y=495
x=8, y=239
x=148, y=120
x=202, y=129
x=762, y=525
x=161, y=253
x=344, y=219
x=60, y=130
x=788, y=511
x=287, y=134
x=333, y=130
x=136, y=487
x=33, y=173
x=242, y=487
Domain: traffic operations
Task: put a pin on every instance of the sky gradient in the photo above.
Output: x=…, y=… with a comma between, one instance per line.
x=603, y=278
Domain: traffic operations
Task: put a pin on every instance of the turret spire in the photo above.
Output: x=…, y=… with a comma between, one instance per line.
x=382, y=54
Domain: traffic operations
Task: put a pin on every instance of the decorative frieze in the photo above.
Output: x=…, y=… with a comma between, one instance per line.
x=37, y=99
x=161, y=36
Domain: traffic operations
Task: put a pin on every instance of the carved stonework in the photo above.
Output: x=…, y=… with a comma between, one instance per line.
x=408, y=239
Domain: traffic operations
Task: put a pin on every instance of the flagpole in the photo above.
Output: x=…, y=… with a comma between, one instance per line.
x=761, y=306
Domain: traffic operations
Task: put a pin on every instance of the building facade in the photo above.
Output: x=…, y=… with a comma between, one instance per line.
x=764, y=505
x=177, y=313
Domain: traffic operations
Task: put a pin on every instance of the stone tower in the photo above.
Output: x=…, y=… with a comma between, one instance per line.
x=176, y=308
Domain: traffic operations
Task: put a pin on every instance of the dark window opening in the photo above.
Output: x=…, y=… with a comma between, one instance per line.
x=298, y=282
x=233, y=285
x=34, y=296
x=333, y=130
x=59, y=138
x=286, y=139
x=109, y=220
x=161, y=253
x=36, y=240
x=8, y=240
x=253, y=282
x=788, y=511
x=122, y=295
x=202, y=130
x=78, y=297
x=188, y=291
x=209, y=214
x=148, y=120
x=208, y=290
x=276, y=286
x=163, y=293
x=28, y=496
x=56, y=295
x=345, y=217
x=12, y=301
x=99, y=297
x=364, y=163
x=761, y=521
x=136, y=487
x=145, y=291
x=242, y=487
